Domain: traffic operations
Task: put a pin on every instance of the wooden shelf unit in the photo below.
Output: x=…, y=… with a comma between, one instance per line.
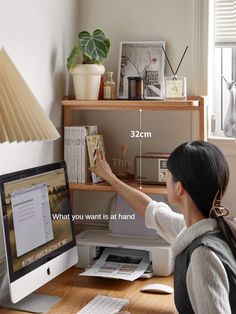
x=193, y=103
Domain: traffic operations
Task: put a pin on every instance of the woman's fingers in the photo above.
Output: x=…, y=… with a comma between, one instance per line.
x=98, y=154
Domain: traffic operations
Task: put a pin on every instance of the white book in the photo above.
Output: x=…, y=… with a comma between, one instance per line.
x=78, y=154
x=68, y=151
x=85, y=131
x=66, y=147
x=73, y=155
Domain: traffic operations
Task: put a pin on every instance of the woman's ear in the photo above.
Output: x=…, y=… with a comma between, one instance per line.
x=179, y=188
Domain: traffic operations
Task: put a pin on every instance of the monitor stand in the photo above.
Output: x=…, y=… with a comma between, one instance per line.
x=34, y=303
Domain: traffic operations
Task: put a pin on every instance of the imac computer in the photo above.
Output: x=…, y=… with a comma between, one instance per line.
x=38, y=233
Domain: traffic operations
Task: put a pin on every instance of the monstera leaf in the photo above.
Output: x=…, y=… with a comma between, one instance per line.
x=94, y=47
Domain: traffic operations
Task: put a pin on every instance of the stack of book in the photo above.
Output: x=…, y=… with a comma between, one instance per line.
x=80, y=144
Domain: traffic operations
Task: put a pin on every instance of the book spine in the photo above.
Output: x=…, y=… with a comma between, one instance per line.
x=92, y=130
x=66, y=147
x=78, y=154
x=83, y=153
x=74, y=155
x=69, y=164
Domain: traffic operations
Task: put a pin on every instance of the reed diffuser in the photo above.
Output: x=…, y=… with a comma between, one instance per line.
x=175, y=86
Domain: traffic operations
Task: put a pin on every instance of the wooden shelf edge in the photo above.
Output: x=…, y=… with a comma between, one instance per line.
x=104, y=187
x=131, y=105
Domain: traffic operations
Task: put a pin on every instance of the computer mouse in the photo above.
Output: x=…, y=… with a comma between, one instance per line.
x=157, y=288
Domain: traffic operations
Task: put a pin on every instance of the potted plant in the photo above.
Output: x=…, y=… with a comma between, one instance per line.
x=93, y=50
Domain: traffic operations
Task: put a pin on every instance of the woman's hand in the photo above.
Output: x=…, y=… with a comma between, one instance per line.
x=102, y=168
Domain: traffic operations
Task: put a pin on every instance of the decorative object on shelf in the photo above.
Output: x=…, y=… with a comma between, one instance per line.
x=87, y=76
x=151, y=168
x=175, y=87
x=142, y=59
x=21, y=116
x=230, y=117
x=135, y=88
x=109, y=87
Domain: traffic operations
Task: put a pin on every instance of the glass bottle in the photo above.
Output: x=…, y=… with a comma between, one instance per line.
x=101, y=88
x=109, y=89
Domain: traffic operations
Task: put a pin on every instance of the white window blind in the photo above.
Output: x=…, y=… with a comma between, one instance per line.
x=225, y=23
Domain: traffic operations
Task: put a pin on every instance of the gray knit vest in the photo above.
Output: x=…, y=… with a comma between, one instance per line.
x=216, y=243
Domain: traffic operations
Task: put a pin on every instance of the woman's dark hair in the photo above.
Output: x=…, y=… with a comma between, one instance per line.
x=204, y=173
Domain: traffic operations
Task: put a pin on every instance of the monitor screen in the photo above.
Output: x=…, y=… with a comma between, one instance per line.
x=36, y=213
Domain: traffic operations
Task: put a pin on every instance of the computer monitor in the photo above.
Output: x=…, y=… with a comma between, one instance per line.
x=39, y=234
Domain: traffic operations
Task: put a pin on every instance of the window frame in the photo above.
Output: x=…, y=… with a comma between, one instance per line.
x=227, y=144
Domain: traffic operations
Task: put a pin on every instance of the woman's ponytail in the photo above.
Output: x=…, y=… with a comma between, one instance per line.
x=227, y=227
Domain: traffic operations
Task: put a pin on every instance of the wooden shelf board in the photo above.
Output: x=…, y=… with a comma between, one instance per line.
x=104, y=187
x=183, y=105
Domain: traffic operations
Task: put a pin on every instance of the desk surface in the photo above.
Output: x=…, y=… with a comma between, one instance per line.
x=79, y=290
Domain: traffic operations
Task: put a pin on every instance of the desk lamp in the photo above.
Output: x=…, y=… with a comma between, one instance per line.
x=21, y=116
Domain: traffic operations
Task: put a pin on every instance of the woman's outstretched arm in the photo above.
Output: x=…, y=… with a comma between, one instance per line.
x=136, y=199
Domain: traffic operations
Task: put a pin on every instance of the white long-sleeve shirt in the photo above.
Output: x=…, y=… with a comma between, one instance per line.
x=206, y=279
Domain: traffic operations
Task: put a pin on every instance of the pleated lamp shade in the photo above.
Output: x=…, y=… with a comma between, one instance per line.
x=21, y=116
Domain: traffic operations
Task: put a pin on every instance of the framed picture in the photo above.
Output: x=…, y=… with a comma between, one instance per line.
x=144, y=59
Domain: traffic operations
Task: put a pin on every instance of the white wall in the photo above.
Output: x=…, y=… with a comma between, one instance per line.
x=38, y=35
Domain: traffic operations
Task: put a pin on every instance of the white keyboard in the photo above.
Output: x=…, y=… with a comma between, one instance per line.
x=103, y=305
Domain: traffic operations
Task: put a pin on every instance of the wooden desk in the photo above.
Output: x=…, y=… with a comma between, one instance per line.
x=78, y=291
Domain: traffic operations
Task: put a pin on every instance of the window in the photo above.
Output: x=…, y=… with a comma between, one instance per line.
x=223, y=119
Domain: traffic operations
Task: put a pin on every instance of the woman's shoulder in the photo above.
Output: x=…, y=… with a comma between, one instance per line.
x=153, y=205
x=206, y=264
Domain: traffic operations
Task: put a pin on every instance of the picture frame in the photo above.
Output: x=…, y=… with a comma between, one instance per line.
x=145, y=59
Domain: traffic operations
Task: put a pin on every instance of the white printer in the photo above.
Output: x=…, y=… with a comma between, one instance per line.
x=126, y=234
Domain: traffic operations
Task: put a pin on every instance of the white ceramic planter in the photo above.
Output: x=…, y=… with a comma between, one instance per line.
x=86, y=79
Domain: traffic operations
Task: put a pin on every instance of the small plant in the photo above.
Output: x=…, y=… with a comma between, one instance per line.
x=92, y=48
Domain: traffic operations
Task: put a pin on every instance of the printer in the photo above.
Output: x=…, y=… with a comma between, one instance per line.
x=128, y=234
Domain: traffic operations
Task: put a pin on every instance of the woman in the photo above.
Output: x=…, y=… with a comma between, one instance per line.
x=203, y=247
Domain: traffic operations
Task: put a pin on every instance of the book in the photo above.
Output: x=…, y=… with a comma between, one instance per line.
x=85, y=131
x=70, y=152
x=67, y=151
x=95, y=142
x=77, y=154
